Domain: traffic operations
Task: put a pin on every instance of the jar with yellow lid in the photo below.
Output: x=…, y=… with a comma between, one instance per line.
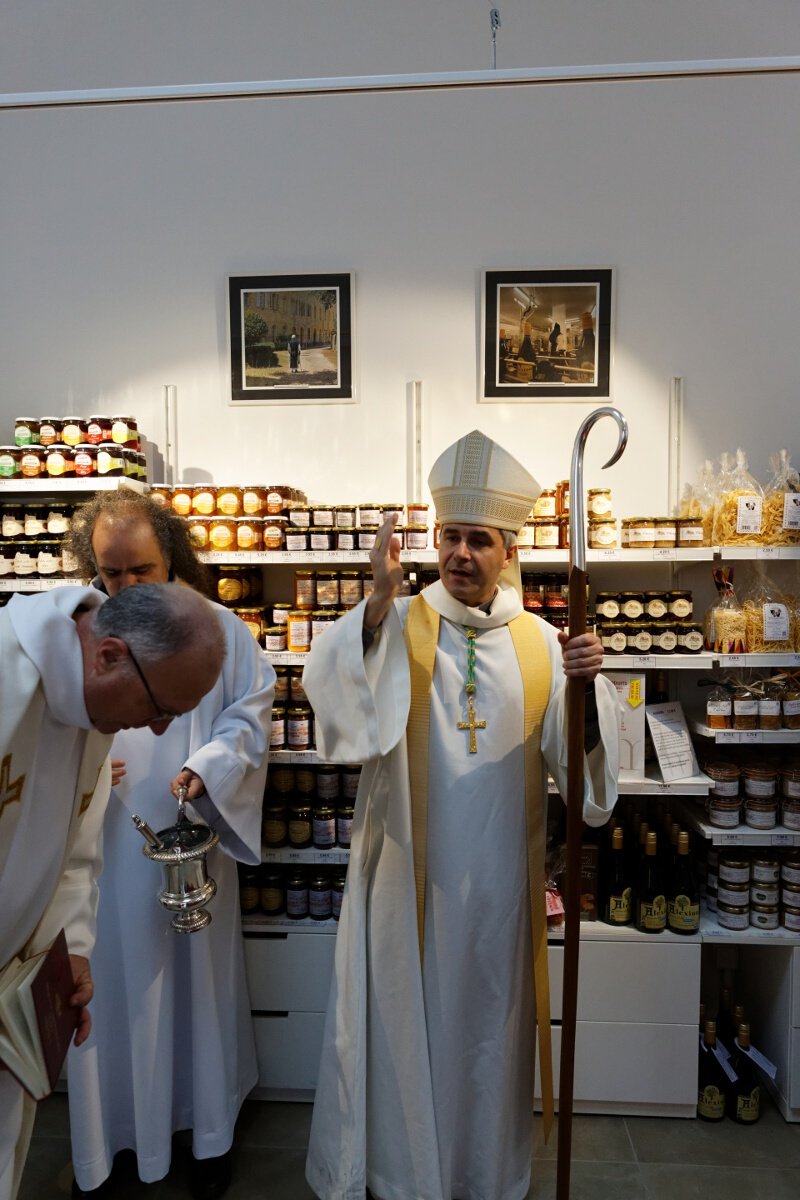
x=346, y=539
x=345, y=515
x=300, y=514
x=392, y=510
x=277, y=737
x=322, y=537
x=299, y=727
x=295, y=538
x=321, y=620
x=229, y=500
x=366, y=536
x=351, y=588
x=297, y=691
x=417, y=513
x=598, y=502
x=322, y=514
x=369, y=513
x=327, y=589
x=275, y=641
x=204, y=500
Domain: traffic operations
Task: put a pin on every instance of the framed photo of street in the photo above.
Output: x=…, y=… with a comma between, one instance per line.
x=291, y=339
x=546, y=335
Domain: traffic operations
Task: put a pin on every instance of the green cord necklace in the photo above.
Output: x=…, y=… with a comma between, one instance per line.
x=469, y=687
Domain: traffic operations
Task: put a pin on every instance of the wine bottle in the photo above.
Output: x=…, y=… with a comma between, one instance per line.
x=651, y=904
x=744, y=1096
x=725, y=1027
x=712, y=1082
x=683, y=898
x=618, y=908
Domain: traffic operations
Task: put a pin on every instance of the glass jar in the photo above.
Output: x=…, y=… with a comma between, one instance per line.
x=545, y=533
x=26, y=431
x=50, y=430
x=321, y=619
x=277, y=499
x=277, y=737
x=344, y=825
x=690, y=532
x=322, y=537
x=328, y=589
x=251, y=533
x=326, y=783
x=666, y=533
x=32, y=461
x=730, y=916
x=26, y=556
x=198, y=532
x=272, y=893
x=59, y=518
x=606, y=605
x=769, y=707
x=690, y=637
x=279, y=613
x=665, y=637
x=300, y=515
x=254, y=500
x=275, y=641
x=350, y=778
x=319, y=898
x=297, y=896
x=48, y=559
x=614, y=637
x=598, y=502
x=351, y=588
x=281, y=688
x=295, y=538
x=417, y=513
x=85, y=460
x=639, y=637
x=719, y=708
x=249, y=898
x=229, y=500
x=221, y=534
x=724, y=778
x=790, y=781
x=298, y=727
x=275, y=824
x=791, y=707
x=737, y=894
x=641, y=533
x=392, y=510
x=369, y=513
x=232, y=585
x=337, y=894
x=764, y=916
x=124, y=431
x=734, y=867
x=631, y=605
x=679, y=602
x=745, y=709
x=760, y=814
x=298, y=632
x=181, y=499
x=655, y=605
x=10, y=458
x=365, y=536
x=324, y=827
x=6, y=559
x=724, y=813
x=765, y=870
x=790, y=918
x=545, y=503
x=98, y=429
x=601, y=533
x=765, y=893
x=760, y=781
x=297, y=692
x=300, y=824
x=346, y=539
x=526, y=538
x=305, y=589
x=74, y=430
x=253, y=617
x=60, y=461
x=12, y=521
x=345, y=516
x=416, y=537
x=204, y=500
x=322, y=515
x=305, y=781
x=34, y=519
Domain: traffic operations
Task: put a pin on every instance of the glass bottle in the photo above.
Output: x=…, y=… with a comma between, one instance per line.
x=744, y=1096
x=651, y=904
x=618, y=908
x=712, y=1082
x=683, y=901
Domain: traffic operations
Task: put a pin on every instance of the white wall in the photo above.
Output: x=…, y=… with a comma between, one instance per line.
x=120, y=225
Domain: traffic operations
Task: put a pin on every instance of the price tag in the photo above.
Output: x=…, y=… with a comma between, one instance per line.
x=768, y=552
x=793, y=660
x=751, y=736
x=270, y=856
x=732, y=660
x=726, y=839
x=294, y=856
x=782, y=839
x=644, y=660
x=726, y=736
x=663, y=787
x=665, y=552
x=605, y=555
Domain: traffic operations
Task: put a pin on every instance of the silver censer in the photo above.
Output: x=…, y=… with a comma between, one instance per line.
x=181, y=850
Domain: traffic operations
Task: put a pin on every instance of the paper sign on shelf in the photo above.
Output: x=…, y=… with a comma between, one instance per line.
x=630, y=688
x=671, y=741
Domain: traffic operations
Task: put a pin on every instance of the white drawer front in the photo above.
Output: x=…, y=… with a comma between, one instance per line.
x=288, y=1050
x=631, y=1064
x=656, y=983
x=290, y=973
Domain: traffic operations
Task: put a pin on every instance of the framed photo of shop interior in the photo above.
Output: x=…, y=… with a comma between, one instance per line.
x=291, y=339
x=546, y=335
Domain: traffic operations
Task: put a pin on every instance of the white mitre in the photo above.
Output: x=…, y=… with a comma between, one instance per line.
x=477, y=482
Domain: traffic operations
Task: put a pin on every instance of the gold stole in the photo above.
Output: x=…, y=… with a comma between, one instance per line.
x=421, y=636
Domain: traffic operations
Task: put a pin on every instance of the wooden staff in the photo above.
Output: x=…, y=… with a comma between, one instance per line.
x=576, y=726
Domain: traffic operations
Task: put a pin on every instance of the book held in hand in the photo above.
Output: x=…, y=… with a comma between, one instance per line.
x=36, y=1020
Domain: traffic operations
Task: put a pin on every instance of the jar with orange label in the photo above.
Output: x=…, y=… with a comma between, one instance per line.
x=204, y=500
x=182, y=499
x=32, y=461
x=221, y=533
x=305, y=589
x=253, y=618
x=249, y=533
x=229, y=500
x=254, y=500
x=50, y=430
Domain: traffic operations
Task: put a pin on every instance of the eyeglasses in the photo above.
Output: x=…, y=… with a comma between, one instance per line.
x=161, y=714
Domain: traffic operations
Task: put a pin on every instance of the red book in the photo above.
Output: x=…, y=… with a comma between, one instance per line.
x=36, y=1020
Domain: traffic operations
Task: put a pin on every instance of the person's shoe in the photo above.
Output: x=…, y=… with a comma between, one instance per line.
x=210, y=1177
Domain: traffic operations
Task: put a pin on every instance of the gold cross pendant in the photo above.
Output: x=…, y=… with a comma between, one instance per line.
x=472, y=725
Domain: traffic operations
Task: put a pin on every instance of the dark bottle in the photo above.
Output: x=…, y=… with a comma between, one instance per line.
x=651, y=904
x=617, y=906
x=725, y=1027
x=683, y=897
x=744, y=1096
x=712, y=1082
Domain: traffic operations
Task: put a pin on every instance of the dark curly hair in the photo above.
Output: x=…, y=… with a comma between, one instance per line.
x=171, y=531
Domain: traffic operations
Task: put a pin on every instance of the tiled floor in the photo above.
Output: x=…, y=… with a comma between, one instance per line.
x=614, y=1158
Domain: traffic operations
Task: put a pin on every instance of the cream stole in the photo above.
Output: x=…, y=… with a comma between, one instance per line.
x=421, y=636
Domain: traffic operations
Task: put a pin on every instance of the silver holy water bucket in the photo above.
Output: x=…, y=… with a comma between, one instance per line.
x=181, y=850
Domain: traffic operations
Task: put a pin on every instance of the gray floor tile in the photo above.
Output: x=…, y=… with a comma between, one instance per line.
x=258, y=1174
x=771, y=1143
x=52, y=1117
x=604, y=1139
x=270, y=1123
x=48, y=1171
x=592, y=1181
x=734, y=1183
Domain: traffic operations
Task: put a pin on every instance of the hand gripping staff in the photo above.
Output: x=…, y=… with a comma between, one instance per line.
x=576, y=721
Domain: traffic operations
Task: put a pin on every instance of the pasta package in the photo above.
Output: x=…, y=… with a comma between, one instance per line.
x=726, y=631
x=698, y=500
x=768, y=619
x=781, y=517
x=738, y=511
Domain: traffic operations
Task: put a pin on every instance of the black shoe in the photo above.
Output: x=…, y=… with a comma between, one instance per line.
x=210, y=1177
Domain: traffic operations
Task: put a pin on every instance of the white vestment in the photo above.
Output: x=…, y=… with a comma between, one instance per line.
x=425, y=1089
x=52, y=796
x=172, y=1039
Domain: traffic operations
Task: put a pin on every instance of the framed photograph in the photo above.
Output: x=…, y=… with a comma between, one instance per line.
x=291, y=339
x=546, y=335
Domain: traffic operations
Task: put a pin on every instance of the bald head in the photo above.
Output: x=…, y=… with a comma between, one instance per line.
x=150, y=654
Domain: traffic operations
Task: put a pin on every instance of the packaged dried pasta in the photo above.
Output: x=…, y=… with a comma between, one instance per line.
x=738, y=511
x=725, y=623
x=698, y=500
x=767, y=617
x=781, y=518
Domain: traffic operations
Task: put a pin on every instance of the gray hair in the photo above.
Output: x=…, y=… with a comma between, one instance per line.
x=509, y=538
x=158, y=620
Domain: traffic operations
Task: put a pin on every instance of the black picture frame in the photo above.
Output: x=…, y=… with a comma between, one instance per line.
x=546, y=335
x=291, y=338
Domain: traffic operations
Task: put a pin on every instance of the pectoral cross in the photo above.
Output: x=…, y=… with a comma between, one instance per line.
x=472, y=725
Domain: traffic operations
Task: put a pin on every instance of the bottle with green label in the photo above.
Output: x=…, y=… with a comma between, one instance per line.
x=712, y=1082
x=744, y=1096
x=683, y=899
x=651, y=903
x=618, y=905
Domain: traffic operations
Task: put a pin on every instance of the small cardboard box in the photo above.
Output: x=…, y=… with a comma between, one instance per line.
x=630, y=698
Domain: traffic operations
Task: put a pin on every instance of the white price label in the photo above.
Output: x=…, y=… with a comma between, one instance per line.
x=644, y=660
x=726, y=736
x=732, y=660
x=727, y=839
x=751, y=736
x=270, y=856
x=665, y=552
x=606, y=554
x=294, y=856
x=767, y=552
x=748, y=514
x=782, y=839
x=791, y=510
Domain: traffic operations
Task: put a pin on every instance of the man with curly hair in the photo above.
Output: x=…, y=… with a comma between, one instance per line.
x=172, y=1046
